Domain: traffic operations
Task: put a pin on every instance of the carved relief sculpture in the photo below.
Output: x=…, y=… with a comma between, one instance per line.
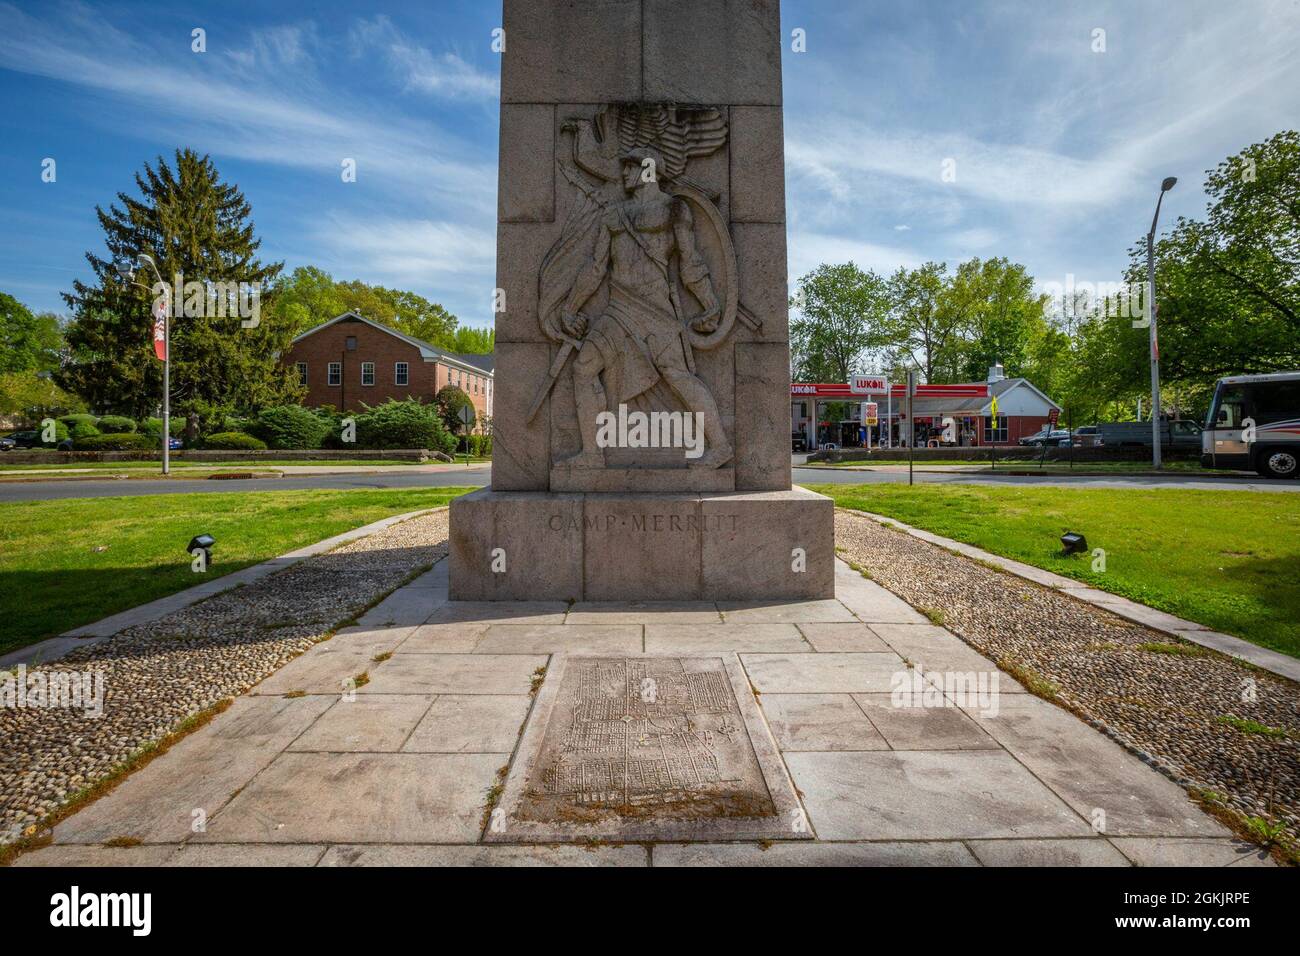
x=628, y=288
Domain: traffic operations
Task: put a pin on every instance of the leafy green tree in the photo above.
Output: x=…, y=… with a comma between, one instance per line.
x=196, y=228
x=843, y=315
x=925, y=329
x=469, y=340
x=32, y=396
x=309, y=296
x=28, y=342
x=449, y=401
x=993, y=305
x=1228, y=285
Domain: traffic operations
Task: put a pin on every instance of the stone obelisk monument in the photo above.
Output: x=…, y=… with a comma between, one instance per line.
x=642, y=414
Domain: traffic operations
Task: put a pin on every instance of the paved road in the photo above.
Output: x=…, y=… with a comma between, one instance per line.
x=43, y=490
x=481, y=475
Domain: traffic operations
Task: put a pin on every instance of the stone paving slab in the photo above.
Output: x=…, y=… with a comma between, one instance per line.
x=1091, y=773
x=72, y=855
x=918, y=853
x=927, y=795
x=932, y=648
x=366, y=798
x=688, y=639
x=1082, y=852
x=924, y=728
x=1164, y=851
x=470, y=723
x=370, y=640
x=460, y=638
x=790, y=612
x=819, y=722
x=500, y=612
x=325, y=668
x=430, y=856
x=157, y=803
x=405, y=606
x=454, y=674
x=558, y=638
x=840, y=638
x=246, y=854
x=365, y=723
x=638, y=612
x=822, y=673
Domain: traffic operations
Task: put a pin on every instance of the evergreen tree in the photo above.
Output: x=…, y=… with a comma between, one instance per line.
x=197, y=229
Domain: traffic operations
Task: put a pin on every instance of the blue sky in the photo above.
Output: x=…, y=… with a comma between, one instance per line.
x=1058, y=149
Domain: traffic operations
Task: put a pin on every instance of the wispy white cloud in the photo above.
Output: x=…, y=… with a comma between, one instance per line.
x=441, y=74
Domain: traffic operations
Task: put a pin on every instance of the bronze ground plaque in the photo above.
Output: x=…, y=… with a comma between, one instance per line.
x=646, y=748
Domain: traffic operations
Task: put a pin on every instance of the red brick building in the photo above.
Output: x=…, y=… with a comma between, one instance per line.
x=351, y=360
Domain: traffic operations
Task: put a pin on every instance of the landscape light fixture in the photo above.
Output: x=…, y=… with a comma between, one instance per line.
x=204, y=543
x=1074, y=543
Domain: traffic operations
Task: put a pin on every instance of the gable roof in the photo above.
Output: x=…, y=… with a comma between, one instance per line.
x=428, y=352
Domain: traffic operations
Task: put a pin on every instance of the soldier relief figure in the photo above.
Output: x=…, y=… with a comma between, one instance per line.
x=626, y=286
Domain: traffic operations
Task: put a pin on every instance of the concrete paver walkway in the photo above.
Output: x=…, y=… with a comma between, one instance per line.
x=380, y=746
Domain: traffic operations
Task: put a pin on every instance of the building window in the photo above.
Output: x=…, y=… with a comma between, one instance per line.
x=400, y=373
x=367, y=373
x=994, y=435
x=352, y=343
x=335, y=373
x=302, y=374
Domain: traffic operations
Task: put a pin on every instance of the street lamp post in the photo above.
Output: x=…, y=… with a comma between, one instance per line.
x=126, y=269
x=1165, y=186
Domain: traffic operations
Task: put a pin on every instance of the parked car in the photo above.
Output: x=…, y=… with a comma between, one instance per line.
x=1052, y=437
x=26, y=439
x=7, y=443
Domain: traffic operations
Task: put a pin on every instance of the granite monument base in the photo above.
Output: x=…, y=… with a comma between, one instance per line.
x=698, y=546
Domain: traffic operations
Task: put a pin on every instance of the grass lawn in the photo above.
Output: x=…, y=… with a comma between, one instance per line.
x=1227, y=559
x=53, y=579
x=1182, y=467
x=155, y=467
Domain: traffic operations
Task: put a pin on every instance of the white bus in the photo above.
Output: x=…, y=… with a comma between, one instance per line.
x=1254, y=424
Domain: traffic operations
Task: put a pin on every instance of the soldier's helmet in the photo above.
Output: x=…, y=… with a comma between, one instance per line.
x=639, y=154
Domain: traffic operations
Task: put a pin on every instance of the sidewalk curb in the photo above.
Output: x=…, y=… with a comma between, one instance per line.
x=55, y=647
x=1261, y=657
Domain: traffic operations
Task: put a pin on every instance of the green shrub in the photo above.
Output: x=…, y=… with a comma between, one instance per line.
x=115, y=425
x=82, y=430
x=405, y=424
x=153, y=428
x=72, y=421
x=289, y=426
x=233, y=441
x=121, y=441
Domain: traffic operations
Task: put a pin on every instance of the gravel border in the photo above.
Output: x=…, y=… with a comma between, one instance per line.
x=157, y=674
x=1164, y=707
